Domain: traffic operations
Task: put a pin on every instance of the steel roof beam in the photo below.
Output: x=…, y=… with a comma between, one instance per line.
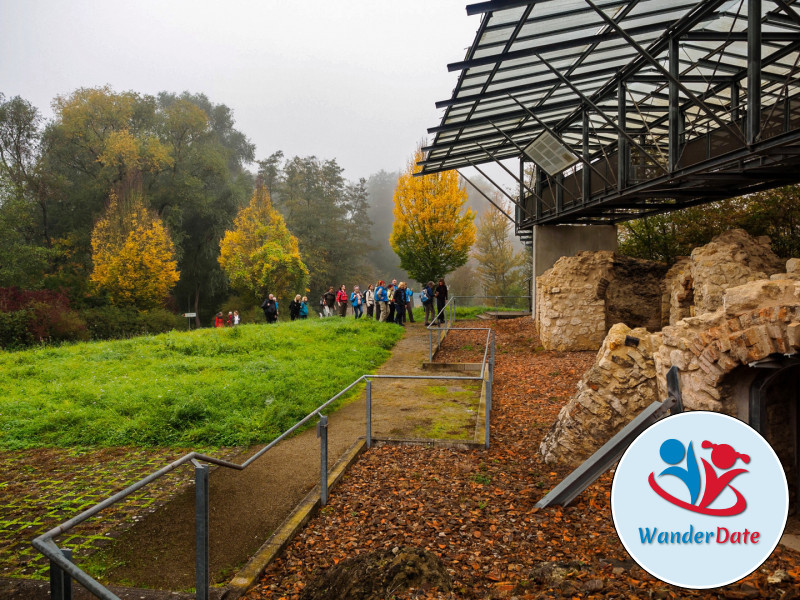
x=599, y=111
x=646, y=55
x=553, y=47
x=788, y=10
x=521, y=88
x=493, y=5
x=517, y=114
x=583, y=160
x=683, y=25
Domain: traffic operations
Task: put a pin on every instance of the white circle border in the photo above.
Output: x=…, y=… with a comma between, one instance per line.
x=660, y=423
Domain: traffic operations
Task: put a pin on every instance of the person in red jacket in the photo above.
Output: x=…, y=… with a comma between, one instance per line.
x=219, y=321
x=341, y=301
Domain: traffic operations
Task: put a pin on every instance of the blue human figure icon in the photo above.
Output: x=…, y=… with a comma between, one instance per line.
x=672, y=453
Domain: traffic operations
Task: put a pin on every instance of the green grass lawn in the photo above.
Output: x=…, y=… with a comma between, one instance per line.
x=210, y=387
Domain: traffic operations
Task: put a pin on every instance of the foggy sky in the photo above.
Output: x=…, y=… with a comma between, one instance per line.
x=354, y=80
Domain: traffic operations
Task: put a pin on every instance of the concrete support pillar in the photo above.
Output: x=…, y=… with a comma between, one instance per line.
x=551, y=242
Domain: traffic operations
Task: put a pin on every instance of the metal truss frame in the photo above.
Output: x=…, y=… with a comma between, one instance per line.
x=665, y=103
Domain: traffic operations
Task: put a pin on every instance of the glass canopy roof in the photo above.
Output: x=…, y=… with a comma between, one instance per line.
x=535, y=66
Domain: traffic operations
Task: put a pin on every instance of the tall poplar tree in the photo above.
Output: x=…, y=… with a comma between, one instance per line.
x=133, y=255
x=431, y=234
x=499, y=268
x=259, y=255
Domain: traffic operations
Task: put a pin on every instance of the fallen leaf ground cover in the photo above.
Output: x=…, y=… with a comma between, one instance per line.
x=475, y=509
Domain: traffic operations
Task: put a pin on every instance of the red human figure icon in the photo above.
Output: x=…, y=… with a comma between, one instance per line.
x=724, y=457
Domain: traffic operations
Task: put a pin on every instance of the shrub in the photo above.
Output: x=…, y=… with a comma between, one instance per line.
x=31, y=316
x=113, y=322
x=14, y=330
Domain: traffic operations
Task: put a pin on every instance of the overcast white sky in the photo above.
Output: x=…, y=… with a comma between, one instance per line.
x=354, y=80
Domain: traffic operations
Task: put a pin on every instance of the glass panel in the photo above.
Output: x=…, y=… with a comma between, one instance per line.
x=503, y=17
x=496, y=35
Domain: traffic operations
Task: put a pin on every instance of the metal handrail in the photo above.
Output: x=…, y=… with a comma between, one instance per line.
x=449, y=312
x=60, y=560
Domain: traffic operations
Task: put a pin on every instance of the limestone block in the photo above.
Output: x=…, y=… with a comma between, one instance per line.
x=793, y=335
x=759, y=294
x=620, y=384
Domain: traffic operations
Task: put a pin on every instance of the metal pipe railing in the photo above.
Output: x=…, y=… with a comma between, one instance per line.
x=63, y=570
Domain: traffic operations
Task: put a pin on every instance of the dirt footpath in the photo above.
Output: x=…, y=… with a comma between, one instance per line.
x=247, y=506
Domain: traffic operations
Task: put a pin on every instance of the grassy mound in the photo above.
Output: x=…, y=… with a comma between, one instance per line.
x=211, y=387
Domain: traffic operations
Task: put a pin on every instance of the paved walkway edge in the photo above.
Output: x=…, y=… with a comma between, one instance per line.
x=248, y=576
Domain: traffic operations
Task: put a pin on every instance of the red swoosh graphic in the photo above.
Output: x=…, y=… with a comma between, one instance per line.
x=737, y=508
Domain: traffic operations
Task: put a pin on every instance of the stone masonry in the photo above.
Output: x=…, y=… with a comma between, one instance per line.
x=746, y=313
x=757, y=319
x=695, y=285
x=621, y=383
x=582, y=296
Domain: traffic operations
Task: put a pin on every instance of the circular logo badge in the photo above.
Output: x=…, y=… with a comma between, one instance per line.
x=699, y=500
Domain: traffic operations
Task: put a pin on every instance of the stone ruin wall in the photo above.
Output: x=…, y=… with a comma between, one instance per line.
x=582, y=296
x=749, y=308
x=695, y=285
x=621, y=383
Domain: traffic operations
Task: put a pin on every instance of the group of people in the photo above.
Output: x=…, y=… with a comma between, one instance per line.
x=393, y=302
x=233, y=319
x=298, y=308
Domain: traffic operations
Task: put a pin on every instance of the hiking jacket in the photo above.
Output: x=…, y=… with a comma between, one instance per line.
x=380, y=294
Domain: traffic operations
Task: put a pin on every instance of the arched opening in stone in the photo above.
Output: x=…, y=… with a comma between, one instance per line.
x=773, y=405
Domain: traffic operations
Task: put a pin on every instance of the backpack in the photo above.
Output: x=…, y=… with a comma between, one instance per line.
x=423, y=296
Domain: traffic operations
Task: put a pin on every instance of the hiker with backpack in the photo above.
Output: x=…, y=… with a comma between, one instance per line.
x=399, y=302
x=426, y=297
x=328, y=300
x=410, y=303
x=369, y=301
x=381, y=301
x=270, y=308
x=341, y=301
x=440, y=293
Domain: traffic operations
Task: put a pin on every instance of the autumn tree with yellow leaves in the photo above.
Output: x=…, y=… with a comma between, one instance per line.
x=500, y=268
x=431, y=234
x=132, y=254
x=259, y=254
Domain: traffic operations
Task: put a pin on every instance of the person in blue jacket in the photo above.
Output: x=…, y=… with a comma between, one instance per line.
x=410, y=304
x=357, y=300
x=304, y=308
x=382, y=300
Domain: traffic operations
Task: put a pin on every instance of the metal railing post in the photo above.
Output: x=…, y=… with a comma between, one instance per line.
x=201, y=530
x=491, y=360
x=60, y=581
x=487, y=424
x=369, y=413
x=430, y=345
x=322, y=434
